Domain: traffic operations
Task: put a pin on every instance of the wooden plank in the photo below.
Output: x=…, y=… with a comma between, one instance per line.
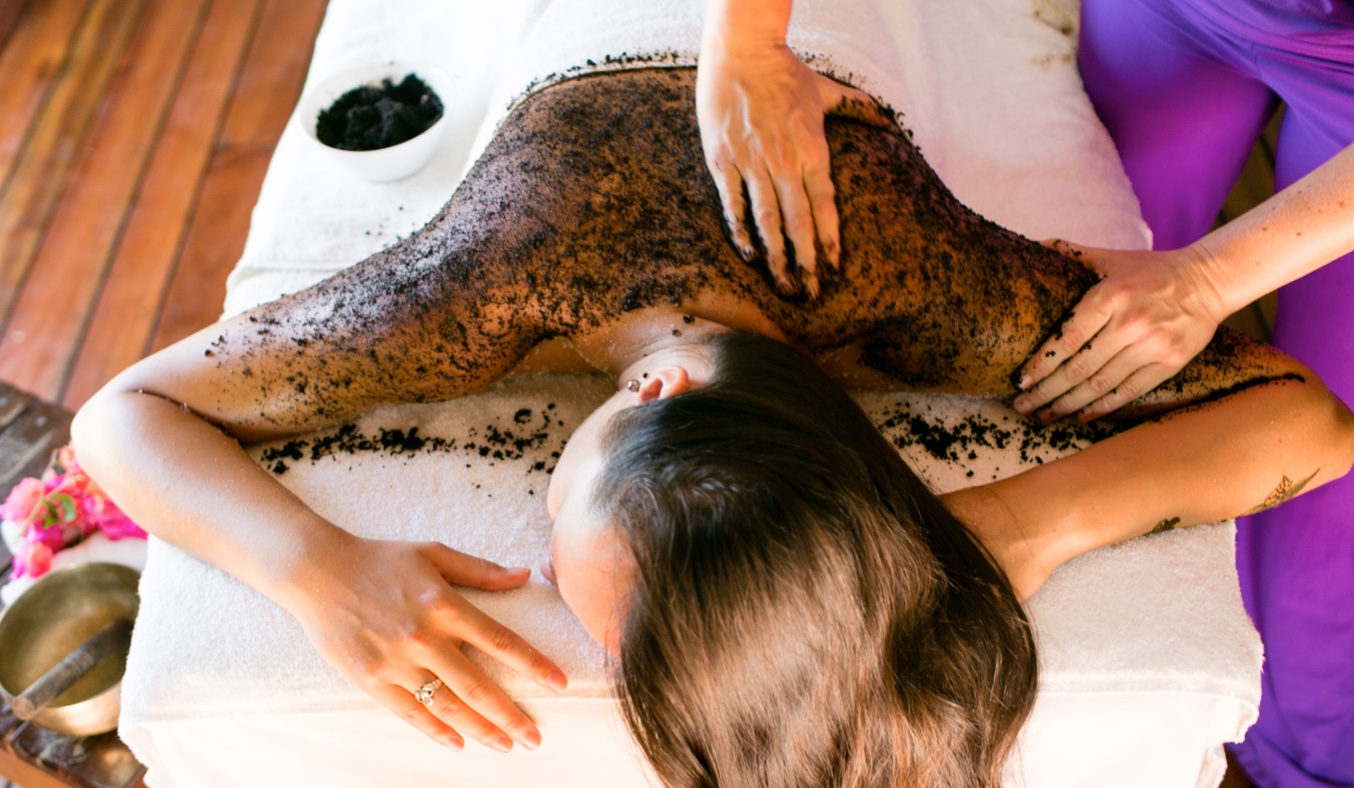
x=26, y=446
x=12, y=403
x=269, y=87
x=70, y=263
x=33, y=57
x=101, y=761
x=122, y=322
x=40, y=174
x=26, y=774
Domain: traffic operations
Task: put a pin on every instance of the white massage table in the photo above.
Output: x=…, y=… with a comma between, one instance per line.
x=1148, y=662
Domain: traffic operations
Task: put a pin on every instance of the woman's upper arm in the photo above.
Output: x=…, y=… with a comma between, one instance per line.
x=1230, y=362
x=330, y=353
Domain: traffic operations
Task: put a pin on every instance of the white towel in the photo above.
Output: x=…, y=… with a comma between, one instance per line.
x=473, y=473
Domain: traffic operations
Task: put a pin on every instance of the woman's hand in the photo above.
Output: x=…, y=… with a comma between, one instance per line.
x=761, y=119
x=1150, y=314
x=385, y=614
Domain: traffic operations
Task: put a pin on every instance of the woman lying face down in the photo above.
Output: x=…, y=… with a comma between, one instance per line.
x=735, y=525
x=731, y=523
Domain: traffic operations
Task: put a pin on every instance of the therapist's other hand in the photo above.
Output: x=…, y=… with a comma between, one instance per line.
x=761, y=119
x=1150, y=314
x=384, y=613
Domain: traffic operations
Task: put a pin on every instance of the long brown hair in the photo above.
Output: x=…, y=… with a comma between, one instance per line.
x=805, y=611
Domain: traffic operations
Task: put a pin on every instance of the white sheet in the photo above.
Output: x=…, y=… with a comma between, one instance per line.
x=1147, y=658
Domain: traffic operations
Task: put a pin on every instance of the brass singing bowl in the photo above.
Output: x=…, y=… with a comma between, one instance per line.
x=53, y=618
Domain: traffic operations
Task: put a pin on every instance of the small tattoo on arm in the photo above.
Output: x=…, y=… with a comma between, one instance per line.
x=1287, y=489
x=1166, y=525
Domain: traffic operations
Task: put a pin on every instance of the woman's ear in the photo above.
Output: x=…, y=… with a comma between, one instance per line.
x=664, y=382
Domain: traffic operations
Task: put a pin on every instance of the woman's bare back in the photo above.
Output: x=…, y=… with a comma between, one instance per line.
x=593, y=201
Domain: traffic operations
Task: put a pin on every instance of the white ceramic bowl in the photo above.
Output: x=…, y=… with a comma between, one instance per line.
x=383, y=164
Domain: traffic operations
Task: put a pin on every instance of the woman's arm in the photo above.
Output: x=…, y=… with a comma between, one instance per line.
x=164, y=439
x=1247, y=451
x=1153, y=311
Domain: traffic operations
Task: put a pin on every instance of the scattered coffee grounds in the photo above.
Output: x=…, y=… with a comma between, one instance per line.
x=531, y=437
x=961, y=440
x=371, y=117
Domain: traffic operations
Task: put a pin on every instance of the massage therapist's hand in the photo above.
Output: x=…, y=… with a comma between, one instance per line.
x=1150, y=314
x=385, y=614
x=761, y=119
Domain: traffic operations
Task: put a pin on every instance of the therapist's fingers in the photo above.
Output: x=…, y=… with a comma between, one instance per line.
x=1087, y=318
x=766, y=213
x=1100, y=383
x=799, y=228
x=729, y=184
x=826, y=221
x=401, y=701
x=1047, y=375
x=1137, y=384
x=1084, y=322
x=1082, y=367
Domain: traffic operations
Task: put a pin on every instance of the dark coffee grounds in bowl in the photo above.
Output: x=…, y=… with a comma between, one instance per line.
x=379, y=116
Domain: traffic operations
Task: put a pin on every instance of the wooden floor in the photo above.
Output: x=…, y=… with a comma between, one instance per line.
x=134, y=136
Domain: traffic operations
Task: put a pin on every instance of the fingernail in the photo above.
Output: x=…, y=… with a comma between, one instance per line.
x=557, y=680
x=1046, y=416
x=811, y=283
x=502, y=745
x=1023, y=406
x=1025, y=381
x=532, y=740
x=454, y=745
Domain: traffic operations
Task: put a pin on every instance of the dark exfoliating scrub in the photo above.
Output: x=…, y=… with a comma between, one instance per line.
x=593, y=200
x=379, y=116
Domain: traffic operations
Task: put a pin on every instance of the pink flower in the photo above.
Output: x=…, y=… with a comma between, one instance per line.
x=34, y=560
x=54, y=538
x=107, y=517
x=65, y=457
x=23, y=501
x=96, y=509
x=70, y=484
x=60, y=510
x=121, y=527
